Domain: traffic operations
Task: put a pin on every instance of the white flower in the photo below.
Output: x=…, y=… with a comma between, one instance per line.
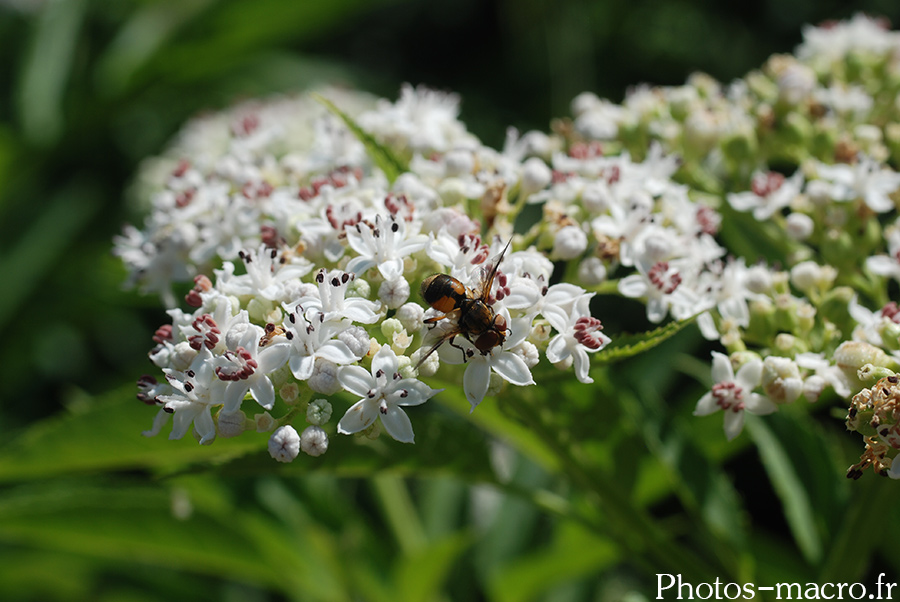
x=268, y=275
x=311, y=340
x=383, y=393
x=194, y=392
x=866, y=179
x=383, y=244
x=660, y=284
x=888, y=265
x=501, y=359
x=734, y=394
x=770, y=192
x=824, y=373
x=331, y=300
x=578, y=335
x=246, y=368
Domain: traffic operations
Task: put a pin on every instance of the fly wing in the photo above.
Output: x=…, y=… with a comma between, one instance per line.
x=486, y=275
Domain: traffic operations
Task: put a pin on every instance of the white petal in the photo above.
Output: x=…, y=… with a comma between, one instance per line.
x=181, y=422
x=205, y=427
x=707, y=405
x=882, y=265
x=476, y=380
x=582, y=366
x=878, y=201
x=512, y=368
x=557, y=317
x=749, y=376
x=397, y=424
x=385, y=360
x=633, y=286
x=302, y=366
x=707, y=326
x=557, y=350
x=734, y=424
x=359, y=417
x=759, y=405
x=722, y=372
x=359, y=265
x=523, y=295
x=162, y=417
x=417, y=392
x=357, y=380
x=234, y=395
x=336, y=352
x=391, y=269
x=272, y=357
x=263, y=392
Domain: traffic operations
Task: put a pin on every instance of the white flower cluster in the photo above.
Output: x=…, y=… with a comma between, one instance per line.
x=305, y=242
x=806, y=146
x=303, y=263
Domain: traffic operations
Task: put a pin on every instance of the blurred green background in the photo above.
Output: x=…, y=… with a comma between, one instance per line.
x=89, y=89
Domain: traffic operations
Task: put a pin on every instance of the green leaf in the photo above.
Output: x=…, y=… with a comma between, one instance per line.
x=574, y=553
x=383, y=157
x=421, y=576
x=43, y=243
x=779, y=457
x=127, y=522
x=105, y=434
x=46, y=70
x=625, y=346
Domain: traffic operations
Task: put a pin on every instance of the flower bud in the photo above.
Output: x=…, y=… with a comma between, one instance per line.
x=284, y=444
x=799, y=226
x=535, y=176
x=357, y=339
x=458, y=162
x=318, y=412
x=495, y=384
x=264, y=422
x=324, y=377
x=289, y=392
x=394, y=293
x=781, y=379
x=851, y=356
x=528, y=352
x=390, y=327
x=359, y=288
x=430, y=366
x=411, y=316
x=231, y=425
x=570, y=242
x=592, y=271
x=314, y=441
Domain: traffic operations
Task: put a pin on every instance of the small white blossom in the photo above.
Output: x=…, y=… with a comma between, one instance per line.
x=733, y=394
x=383, y=394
